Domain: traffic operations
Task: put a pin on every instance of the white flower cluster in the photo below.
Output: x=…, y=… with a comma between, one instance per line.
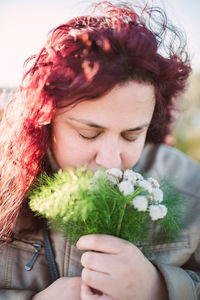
x=147, y=194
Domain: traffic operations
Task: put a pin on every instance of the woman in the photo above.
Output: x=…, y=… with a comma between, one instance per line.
x=100, y=89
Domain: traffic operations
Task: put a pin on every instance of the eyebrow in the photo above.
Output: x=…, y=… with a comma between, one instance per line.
x=90, y=124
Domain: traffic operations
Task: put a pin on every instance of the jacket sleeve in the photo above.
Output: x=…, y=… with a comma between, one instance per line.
x=181, y=284
x=14, y=294
x=180, y=268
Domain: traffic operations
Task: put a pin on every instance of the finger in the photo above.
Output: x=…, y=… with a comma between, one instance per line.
x=87, y=294
x=102, y=243
x=100, y=262
x=99, y=281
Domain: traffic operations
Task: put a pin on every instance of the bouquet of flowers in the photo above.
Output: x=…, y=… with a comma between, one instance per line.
x=123, y=204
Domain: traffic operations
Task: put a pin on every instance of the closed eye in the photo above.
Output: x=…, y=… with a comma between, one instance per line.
x=132, y=136
x=130, y=139
x=127, y=138
x=89, y=137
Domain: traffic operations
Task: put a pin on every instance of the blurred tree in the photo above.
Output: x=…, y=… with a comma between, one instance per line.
x=187, y=129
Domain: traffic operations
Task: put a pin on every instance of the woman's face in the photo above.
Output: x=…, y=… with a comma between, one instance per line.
x=109, y=131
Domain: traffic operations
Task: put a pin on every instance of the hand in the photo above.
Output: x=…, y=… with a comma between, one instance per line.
x=118, y=270
x=63, y=288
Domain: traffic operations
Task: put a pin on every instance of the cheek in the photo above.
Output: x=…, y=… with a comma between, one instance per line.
x=69, y=150
x=133, y=153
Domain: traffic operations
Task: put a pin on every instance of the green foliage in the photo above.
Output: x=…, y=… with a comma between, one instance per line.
x=171, y=226
x=76, y=204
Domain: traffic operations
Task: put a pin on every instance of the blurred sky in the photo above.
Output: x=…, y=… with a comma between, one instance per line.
x=24, y=25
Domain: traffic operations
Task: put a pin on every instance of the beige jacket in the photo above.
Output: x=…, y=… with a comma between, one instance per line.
x=179, y=262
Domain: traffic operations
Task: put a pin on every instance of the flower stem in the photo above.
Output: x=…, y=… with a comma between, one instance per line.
x=121, y=219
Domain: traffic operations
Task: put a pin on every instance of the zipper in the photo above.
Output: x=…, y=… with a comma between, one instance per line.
x=37, y=246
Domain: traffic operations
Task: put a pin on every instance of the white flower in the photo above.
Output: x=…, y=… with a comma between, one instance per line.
x=140, y=203
x=157, y=211
x=130, y=175
x=98, y=174
x=111, y=179
x=153, y=182
x=126, y=188
x=138, y=176
x=145, y=184
x=163, y=209
x=157, y=195
x=94, y=181
x=114, y=172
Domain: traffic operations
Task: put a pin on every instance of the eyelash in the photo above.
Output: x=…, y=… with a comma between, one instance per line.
x=89, y=138
x=94, y=137
x=127, y=140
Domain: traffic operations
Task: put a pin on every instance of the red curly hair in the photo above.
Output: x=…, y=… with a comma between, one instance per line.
x=84, y=59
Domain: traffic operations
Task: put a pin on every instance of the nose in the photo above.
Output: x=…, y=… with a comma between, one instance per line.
x=109, y=155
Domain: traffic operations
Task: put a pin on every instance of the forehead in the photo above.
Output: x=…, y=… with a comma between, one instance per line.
x=130, y=103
